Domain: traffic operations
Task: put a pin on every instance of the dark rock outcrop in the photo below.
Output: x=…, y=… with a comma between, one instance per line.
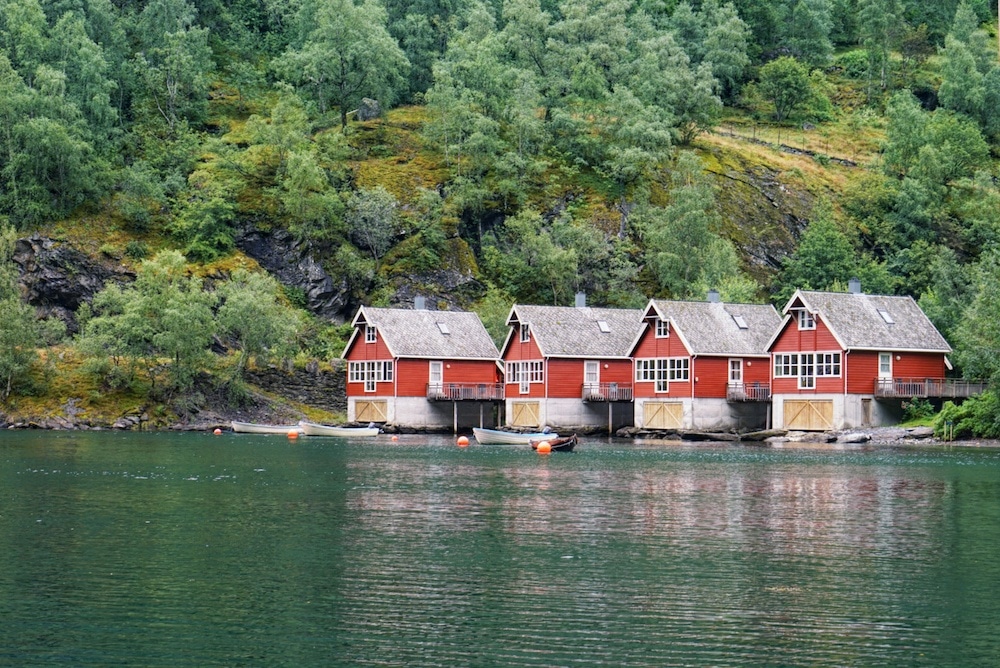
x=291, y=262
x=57, y=278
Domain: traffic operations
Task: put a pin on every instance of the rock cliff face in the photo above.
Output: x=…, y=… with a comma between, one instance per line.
x=56, y=278
x=291, y=262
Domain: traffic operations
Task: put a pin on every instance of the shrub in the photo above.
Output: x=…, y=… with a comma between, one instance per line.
x=976, y=417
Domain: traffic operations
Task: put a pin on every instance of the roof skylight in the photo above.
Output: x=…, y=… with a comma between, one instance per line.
x=885, y=316
x=444, y=328
x=603, y=324
x=740, y=322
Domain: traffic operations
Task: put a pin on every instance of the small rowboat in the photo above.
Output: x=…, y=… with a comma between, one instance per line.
x=495, y=436
x=254, y=428
x=564, y=444
x=313, y=429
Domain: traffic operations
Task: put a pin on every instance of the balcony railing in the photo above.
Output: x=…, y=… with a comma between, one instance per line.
x=607, y=392
x=465, y=392
x=748, y=392
x=905, y=388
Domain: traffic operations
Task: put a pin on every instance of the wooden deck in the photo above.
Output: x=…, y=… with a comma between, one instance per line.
x=465, y=392
x=606, y=392
x=748, y=392
x=907, y=388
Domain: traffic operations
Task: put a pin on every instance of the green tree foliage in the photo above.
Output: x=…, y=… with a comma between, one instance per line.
x=977, y=337
x=807, y=31
x=879, y=29
x=826, y=259
x=373, y=221
x=157, y=330
x=347, y=54
x=684, y=250
x=21, y=333
x=784, y=82
x=254, y=318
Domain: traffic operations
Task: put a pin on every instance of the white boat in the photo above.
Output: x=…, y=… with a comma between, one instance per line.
x=313, y=429
x=494, y=436
x=254, y=428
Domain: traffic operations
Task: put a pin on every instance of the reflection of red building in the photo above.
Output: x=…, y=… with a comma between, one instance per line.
x=703, y=365
x=849, y=359
x=421, y=368
x=569, y=366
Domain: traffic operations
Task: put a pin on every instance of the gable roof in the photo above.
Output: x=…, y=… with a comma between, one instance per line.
x=576, y=331
x=714, y=328
x=856, y=323
x=418, y=333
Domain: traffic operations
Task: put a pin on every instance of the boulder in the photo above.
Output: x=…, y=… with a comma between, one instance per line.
x=369, y=109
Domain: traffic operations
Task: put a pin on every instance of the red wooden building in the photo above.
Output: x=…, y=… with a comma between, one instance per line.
x=703, y=365
x=843, y=360
x=569, y=366
x=421, y=368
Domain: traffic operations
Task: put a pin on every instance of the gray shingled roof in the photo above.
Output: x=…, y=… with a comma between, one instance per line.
x=855, y=321
x=415, y=333
x=574, y=331
x=710, y=328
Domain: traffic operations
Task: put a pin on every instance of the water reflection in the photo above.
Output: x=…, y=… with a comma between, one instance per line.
x=193, y=551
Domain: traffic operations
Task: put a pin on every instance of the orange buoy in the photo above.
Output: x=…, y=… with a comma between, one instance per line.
x=293, y=434
x=217, y=431
x=544, y=448
x=395, y=438
x=463, y=441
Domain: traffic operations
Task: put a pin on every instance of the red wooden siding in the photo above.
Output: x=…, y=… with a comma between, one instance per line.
x=565, y=378
x=411, y=378
x=712, y=374
x=793, y=340
x=361, y=351
x=863, y=368
x=651, y=347
x=756, y=370
x=367, y=351
x=470, y=371
x=518, y=350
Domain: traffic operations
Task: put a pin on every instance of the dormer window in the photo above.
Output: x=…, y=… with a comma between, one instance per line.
x=662, y=329
x=525, y=333
x=370, y=334
x=806, y=320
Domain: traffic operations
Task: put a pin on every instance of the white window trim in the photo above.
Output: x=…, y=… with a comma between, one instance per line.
x=525, y=332
x=887, y=356
x=662, y=371
x=525, y=371
x=595, y=367
x=662, y=329
x=806, y=320
x=371, y=334
x=370, y=372
x=737, y=364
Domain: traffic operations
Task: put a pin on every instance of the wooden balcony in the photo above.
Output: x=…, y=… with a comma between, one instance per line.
x=465, y=392
x=609, y=392
x=748, y=392
x=907, y=388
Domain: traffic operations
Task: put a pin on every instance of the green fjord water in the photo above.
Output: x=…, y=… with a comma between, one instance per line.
x=194, y=550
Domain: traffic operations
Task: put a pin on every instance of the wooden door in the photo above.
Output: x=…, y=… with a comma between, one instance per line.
x=371, y=411
x=662, y=415
x=524, y=414
x=808, y=415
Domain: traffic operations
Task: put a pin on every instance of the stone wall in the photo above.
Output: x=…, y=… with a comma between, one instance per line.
x=311, y=386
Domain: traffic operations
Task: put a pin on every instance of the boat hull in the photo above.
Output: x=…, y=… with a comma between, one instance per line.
x=313, y=429
x=564, y=444
x=254, y=428
x=494, y=437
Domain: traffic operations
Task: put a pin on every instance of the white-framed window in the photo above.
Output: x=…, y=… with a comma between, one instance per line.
x=786, y=365
x=662, y=371
x=827, y=364
x=806, y=320
x=679, y=368
x=371, y=334
x=525, y=332
x=531, y=371
x=885, y=365
x=807, y=371
x=735, y=371
x=662, y=329
x=435, y=374
x=591, y=373
x=369, y=373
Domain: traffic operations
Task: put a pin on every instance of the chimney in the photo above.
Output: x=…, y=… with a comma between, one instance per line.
x=419, y=303
x=854, y=286
x=581, y=299
x=713, y=296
